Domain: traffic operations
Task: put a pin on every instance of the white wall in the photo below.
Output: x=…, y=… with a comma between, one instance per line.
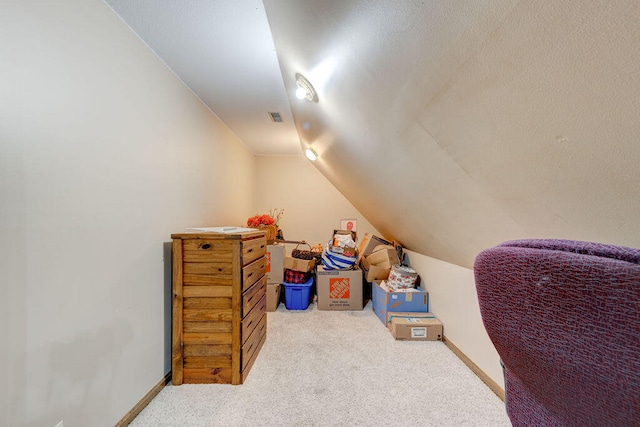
x=103, y=154
x=313, y=206
x=453, y=300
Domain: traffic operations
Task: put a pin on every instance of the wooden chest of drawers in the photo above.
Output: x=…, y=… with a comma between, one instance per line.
x=219, y=305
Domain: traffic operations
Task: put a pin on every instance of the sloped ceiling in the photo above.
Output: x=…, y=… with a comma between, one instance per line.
x=453, y=126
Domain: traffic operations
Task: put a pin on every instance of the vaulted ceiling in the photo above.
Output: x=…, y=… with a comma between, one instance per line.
x=451, y=126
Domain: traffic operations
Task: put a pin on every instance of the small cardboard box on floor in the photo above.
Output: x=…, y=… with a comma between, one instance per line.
x=414, y=326
x=275, y=263
x=384, y=301
x=339, y=289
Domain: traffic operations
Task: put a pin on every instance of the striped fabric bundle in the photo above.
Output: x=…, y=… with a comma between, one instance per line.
x=335, y=261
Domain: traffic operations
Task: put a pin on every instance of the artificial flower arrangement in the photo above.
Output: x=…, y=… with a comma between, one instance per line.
x=258, y=220
x=268, y=221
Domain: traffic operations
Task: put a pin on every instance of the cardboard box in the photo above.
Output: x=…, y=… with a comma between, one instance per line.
x=368, y=242
x=350, y=251
x=274, y=291
x=384, y=302
x=414, y=326
x=354, y=235
x=275, y=263
x=373, y=272
x=339, y=289
x=383, y=256
x=298, y=264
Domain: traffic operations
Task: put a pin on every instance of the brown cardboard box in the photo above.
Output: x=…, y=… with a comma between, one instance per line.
x=275, y=263
x=383, y=256
x=368, y=242
x=339, y=289
x=414, y=326
x=273, y=296
x=354, y=235
x=373, y=272
x=347, y=251
x=298, y=264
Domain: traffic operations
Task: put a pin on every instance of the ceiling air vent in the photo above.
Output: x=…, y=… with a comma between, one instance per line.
x=275, y=116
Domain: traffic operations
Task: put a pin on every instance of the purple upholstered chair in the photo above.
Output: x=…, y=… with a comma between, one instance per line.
x=564, y=317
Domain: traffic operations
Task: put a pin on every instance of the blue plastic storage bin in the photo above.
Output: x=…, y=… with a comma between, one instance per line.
x=297, y=295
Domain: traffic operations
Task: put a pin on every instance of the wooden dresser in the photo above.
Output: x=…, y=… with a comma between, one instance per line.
x=219, y=305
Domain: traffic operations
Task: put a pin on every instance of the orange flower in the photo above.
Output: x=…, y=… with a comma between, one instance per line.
x=258, y=220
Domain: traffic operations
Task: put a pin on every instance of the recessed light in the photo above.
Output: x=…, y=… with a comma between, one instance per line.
x=305, y=89
x=311, y=155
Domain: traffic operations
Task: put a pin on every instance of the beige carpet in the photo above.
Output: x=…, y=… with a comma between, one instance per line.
x=332, y=368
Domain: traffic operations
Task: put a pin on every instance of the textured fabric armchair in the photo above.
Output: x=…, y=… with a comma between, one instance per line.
x=564, y=317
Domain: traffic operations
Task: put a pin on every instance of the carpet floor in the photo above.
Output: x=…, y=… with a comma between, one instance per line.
x=336, y=368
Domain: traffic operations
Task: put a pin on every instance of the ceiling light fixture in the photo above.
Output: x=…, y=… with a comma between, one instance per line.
x=311, y=155
x=305, y=89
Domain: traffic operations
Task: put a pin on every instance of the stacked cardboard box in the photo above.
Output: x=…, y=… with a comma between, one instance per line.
x=275, y=275
x=385, y=301
x=368, y=243
x=298, y=264
x=377, y=265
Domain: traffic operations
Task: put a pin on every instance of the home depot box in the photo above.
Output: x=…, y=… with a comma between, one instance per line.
x=339, y=289
x=275, y=263
x=414, y=326
x=273, y=296
x=368, y=242
x=384, y=301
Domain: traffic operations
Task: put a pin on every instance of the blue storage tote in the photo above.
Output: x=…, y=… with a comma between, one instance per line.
x=297, y=295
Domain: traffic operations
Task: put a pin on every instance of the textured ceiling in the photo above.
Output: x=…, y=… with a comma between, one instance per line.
x=452, y=126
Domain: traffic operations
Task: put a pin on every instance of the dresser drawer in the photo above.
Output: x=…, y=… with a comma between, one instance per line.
x=203, y=250
x=208, y=273
x=252, y=319
x=253, y=249
x=254, y=342
x=253, y=295
x=253, y=272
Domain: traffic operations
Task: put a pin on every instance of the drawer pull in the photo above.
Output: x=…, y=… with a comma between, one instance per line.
x=250, y=274
x=250, y=250
x=206, y=246
x=220, y=269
